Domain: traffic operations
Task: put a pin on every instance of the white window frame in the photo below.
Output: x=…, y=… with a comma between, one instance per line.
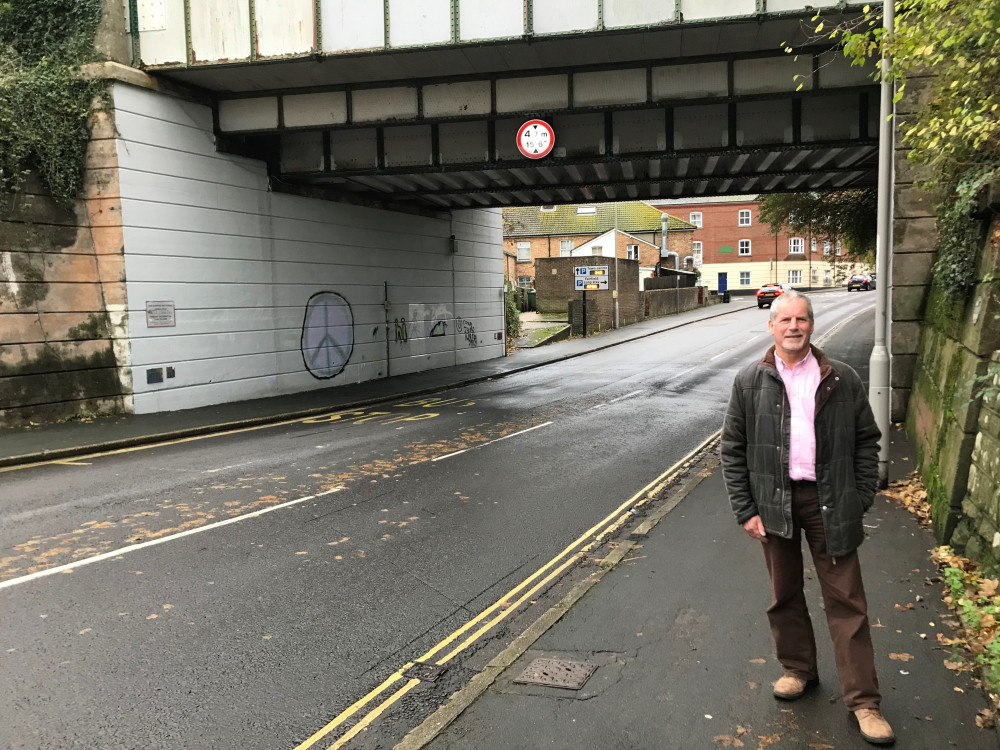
x=586, y=210
x=745, y=217
x=826, y=277
x=741, y=248
x=523, y=252
x=796, y=245
x=839, y=247
x=524, y=281
x=547, y=209
x=744, y=278
x=813, y=275
x=565, y=248
x=631, y=252
x=795, y=276
x=826, y=247
x=812, y=245
x=697, y=253
x=695, y=218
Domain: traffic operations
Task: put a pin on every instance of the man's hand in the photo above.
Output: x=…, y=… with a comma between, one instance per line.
x=755, y=528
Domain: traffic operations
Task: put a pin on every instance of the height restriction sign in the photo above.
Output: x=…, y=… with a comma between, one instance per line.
x=535, y=139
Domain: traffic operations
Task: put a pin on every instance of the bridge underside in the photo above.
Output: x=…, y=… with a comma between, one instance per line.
x=665, y=114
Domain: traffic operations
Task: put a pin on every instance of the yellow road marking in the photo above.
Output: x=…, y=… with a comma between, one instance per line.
x=71, y=462
x=612, y=522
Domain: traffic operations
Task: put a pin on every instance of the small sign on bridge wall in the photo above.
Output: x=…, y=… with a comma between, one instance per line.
x=160, y=314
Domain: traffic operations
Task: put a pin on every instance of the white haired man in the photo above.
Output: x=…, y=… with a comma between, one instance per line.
x=800, y=458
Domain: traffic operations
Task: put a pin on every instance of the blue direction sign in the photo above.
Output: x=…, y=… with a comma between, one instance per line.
x=590, y=278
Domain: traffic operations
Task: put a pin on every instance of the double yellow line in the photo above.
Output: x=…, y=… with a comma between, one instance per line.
x=490, y=617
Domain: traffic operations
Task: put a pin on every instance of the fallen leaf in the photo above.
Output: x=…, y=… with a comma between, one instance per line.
x=988, y=586
x=152, y=617
x=901, y=608
x=753, y=685
x=820, y=746
x=901, y=657
x=769, y=739
x=85, y=630
x=758, y=661
x=958, y=690
x=986, y=718
x=728, y=740
x=956, y=665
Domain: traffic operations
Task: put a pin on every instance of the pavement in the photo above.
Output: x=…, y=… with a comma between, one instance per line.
x=674, y=625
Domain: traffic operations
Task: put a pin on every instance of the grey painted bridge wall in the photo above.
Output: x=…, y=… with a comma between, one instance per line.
x=240, y=264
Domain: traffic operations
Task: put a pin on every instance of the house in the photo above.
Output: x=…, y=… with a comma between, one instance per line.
x=730, y=239
x=628, y=230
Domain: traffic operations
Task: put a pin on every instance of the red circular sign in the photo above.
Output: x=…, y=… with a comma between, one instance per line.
x=535, y=139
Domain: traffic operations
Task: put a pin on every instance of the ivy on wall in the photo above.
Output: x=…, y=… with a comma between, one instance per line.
x=44, y=104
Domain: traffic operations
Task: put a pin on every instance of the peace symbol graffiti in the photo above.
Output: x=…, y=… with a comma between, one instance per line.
x=327, y=335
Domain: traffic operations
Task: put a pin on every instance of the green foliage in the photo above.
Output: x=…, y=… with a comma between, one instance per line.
x=954, y=127
x=44, y=103
x=846, y=215
x=512, y=315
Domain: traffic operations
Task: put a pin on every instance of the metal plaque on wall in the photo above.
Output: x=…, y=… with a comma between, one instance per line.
x=160, y=314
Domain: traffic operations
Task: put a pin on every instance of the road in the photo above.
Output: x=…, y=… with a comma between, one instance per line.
x=149, y=602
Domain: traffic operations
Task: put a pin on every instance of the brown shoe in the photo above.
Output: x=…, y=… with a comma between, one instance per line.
x=874, y=728
x=790, y=687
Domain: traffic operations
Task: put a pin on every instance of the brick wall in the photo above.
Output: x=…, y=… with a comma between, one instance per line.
x=554, y=288
x=660, y=302
x=62, y=297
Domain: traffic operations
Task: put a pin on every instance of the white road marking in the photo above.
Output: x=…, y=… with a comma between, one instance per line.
x=513, y=434
x=615, y=400
x=153, y=542
x=735, y=347
x=234, y=466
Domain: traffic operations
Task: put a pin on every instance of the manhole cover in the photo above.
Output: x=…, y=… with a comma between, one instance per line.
x=424, y=672
x=557, y=673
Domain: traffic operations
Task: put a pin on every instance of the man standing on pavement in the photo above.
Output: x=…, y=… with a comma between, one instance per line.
x=800, y=456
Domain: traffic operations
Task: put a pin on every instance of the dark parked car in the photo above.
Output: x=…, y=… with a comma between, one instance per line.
x=770, y=292
x=862, y=282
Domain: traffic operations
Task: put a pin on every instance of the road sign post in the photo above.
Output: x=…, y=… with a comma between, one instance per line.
x=594, y=278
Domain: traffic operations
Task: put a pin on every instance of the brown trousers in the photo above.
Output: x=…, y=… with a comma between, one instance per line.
x=843, y=597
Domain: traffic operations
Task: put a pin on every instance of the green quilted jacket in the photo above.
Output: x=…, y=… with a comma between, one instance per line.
x=755, y=440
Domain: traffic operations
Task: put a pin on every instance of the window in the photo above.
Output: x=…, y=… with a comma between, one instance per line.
x=523, y=252
x=695, y=218
x=547, y=209
x=586, y=210
x=632, y=252
x=812, y=275
x=565, y=248
x=838, y=247
x=744, y=247
x=826, y=277
x=812, y=244
x=745, y=217
x=826, y=247
x=796, y=245
x=696, y=252
x=596, y=250
x=524, y=281
x=795, y=277
x=744, y=278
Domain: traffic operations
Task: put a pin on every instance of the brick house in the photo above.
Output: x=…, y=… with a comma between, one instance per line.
x=730, y=239
x=633, y=230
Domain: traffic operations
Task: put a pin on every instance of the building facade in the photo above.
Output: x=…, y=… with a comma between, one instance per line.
x=729, y=239
x=630, y=230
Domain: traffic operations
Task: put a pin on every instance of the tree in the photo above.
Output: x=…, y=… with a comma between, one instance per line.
x=849, y=216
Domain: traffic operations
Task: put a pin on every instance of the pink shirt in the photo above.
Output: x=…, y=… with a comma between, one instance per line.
x=801, y=381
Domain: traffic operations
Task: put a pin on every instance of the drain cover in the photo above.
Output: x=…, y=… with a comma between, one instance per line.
x=557, y=673
x=424, y=672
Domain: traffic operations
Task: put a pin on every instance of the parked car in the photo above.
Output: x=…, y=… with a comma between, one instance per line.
x=770, y=292
x=860, y=281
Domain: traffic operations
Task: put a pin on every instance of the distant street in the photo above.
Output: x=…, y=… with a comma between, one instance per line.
x=386, y=530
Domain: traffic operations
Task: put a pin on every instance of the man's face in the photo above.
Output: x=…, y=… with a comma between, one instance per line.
x=791, y=329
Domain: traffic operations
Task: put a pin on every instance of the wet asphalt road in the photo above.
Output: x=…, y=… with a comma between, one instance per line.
x=257, y=633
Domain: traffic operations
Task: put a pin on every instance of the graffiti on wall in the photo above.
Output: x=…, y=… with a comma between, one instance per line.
x=400, y=324
x=327, y=335
x=440, y=328
x=467, y=329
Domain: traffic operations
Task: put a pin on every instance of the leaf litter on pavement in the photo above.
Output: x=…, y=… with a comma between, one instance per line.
x=969, y=594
